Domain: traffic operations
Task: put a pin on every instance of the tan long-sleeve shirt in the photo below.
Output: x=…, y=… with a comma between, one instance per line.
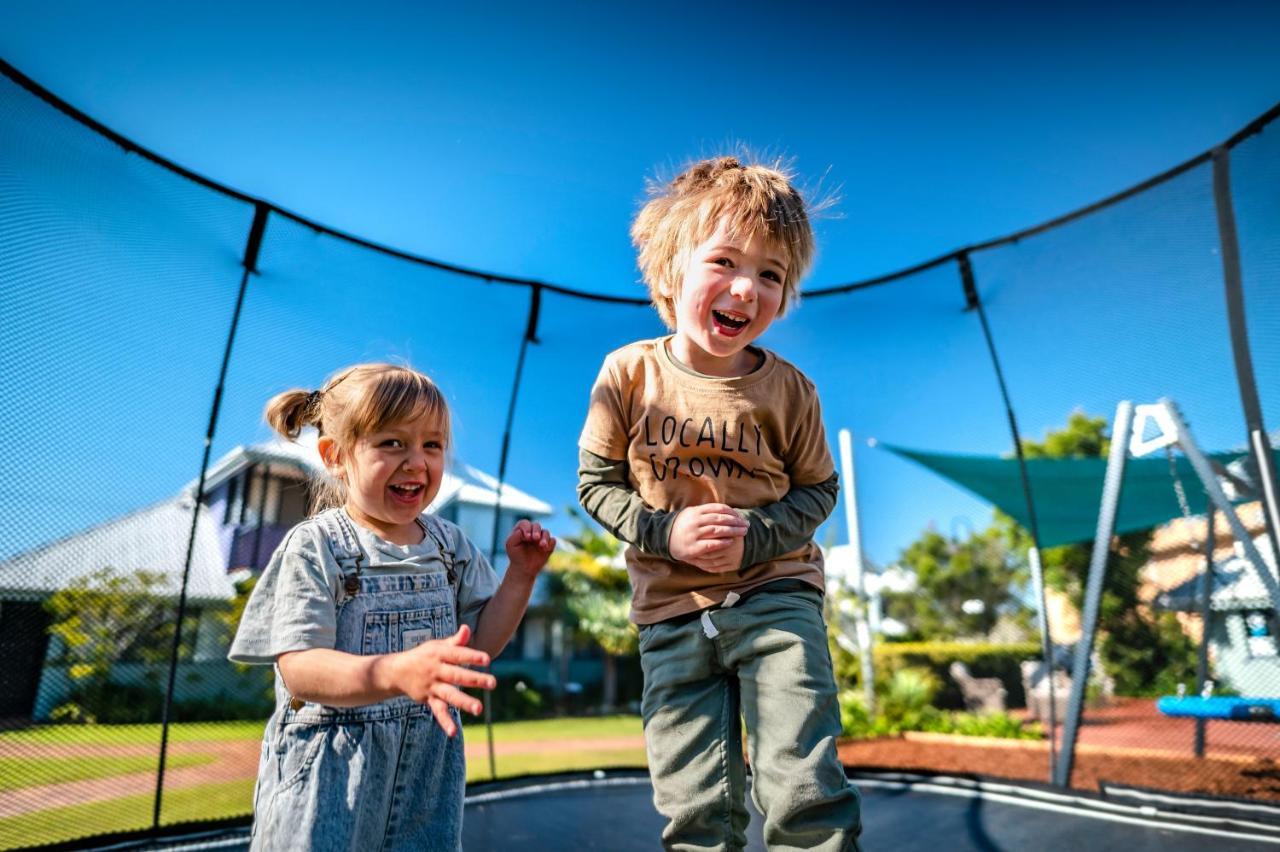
x=690, y=439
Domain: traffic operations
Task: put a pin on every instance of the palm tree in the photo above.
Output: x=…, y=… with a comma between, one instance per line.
x=592, y=584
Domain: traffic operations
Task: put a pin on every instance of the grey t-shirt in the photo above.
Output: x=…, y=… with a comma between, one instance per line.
x=294, y=605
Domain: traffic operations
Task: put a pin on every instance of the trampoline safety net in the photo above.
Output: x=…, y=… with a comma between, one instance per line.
x=146, y=316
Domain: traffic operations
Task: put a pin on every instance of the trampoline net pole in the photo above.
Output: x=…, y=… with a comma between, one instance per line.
x=1232, y=276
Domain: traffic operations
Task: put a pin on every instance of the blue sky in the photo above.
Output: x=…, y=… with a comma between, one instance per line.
x=516, y=138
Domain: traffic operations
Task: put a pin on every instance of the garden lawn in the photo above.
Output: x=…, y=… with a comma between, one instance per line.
x=556, y=760
x=131, y=813
x=539, y=729
x=18, y=772
x=543, y=746
x=567, y=728
x=133, y=734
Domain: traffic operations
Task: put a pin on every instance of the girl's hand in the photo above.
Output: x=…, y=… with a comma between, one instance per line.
x=528, y=548
x=432, y=672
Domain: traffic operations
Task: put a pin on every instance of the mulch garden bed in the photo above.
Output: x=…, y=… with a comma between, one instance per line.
x=1237, y=776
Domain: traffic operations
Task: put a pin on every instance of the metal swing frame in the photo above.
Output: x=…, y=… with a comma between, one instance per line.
x=1128, y=439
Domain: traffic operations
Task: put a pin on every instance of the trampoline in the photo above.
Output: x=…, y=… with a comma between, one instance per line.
x=613, y=812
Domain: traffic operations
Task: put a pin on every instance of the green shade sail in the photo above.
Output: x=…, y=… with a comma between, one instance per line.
x=1067, y=492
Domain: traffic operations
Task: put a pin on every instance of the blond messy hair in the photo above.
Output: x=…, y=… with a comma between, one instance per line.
x=354, y=402
x=757, y=202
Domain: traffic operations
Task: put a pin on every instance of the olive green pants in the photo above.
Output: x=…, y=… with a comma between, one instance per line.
x=767, y=663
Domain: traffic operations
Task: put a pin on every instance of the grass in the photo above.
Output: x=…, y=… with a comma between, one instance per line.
x=544, y=730
x=148, y=735
x=515, y=765
x=130, y=813
x=234, y=798
x=17, y=772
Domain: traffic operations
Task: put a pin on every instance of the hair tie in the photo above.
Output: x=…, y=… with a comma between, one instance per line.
x=313, y=400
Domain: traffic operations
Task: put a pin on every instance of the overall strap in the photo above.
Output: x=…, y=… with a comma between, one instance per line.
x=435, y=528
x=346, y=549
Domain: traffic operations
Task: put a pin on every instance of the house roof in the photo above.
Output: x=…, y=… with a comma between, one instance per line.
x=155, y=538
x=477, y=487
x=461, y=482
x=150, y=539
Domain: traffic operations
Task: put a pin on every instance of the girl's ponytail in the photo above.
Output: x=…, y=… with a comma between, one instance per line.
x=289, y=412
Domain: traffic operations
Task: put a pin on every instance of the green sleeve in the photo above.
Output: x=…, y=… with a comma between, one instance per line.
x=607, y=495
x=776, y=528
x=781, y=527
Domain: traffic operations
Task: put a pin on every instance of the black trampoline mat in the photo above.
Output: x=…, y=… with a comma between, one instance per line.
x=618, y=816
x=615, y=814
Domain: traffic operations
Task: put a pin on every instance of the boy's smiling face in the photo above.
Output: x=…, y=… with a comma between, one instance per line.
x=731, y=290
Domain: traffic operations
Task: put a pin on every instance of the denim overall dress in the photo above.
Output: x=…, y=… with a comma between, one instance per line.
x=379, y=777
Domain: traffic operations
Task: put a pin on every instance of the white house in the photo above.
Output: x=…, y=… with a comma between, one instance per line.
x=253, y=496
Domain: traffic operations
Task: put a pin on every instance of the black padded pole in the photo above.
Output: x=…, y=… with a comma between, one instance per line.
x=252, y=246
x=974, y=302
x=1259, y=442
x=530, y=336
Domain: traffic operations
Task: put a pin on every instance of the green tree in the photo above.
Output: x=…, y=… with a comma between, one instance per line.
x=963, y=585
x=229, y=618
x=595, y=591
x=105, y=618
x=1143, y=651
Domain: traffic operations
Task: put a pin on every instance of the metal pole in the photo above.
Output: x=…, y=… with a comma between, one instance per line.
x=530, y=335
x=974, y=302
x=1111, y=488
x=1046, y=648
x=1233, y=279
x=250, y=263
x=1206, y=612
x=863, y=630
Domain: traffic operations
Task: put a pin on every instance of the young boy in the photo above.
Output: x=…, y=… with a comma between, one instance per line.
x=708, y=456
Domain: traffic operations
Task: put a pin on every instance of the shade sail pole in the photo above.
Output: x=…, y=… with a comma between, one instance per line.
x=861, y=627
x=1121, y=429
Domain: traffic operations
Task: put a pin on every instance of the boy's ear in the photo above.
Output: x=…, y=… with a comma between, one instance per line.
x=330, y=455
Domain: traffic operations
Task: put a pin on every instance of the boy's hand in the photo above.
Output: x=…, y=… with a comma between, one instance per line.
x=709, y=537
x=432, y=672
x=528, y=548
x=724, y=560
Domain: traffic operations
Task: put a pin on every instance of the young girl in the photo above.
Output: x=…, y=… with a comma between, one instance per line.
x=372, y=613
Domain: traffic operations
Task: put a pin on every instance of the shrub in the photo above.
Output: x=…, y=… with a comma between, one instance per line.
x=905, y=704
x=982, y=659
x=903, y=713
x=1000, y=725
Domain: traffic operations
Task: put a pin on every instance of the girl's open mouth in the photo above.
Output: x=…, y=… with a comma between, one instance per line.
x=729, y=324
x=408, y=493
